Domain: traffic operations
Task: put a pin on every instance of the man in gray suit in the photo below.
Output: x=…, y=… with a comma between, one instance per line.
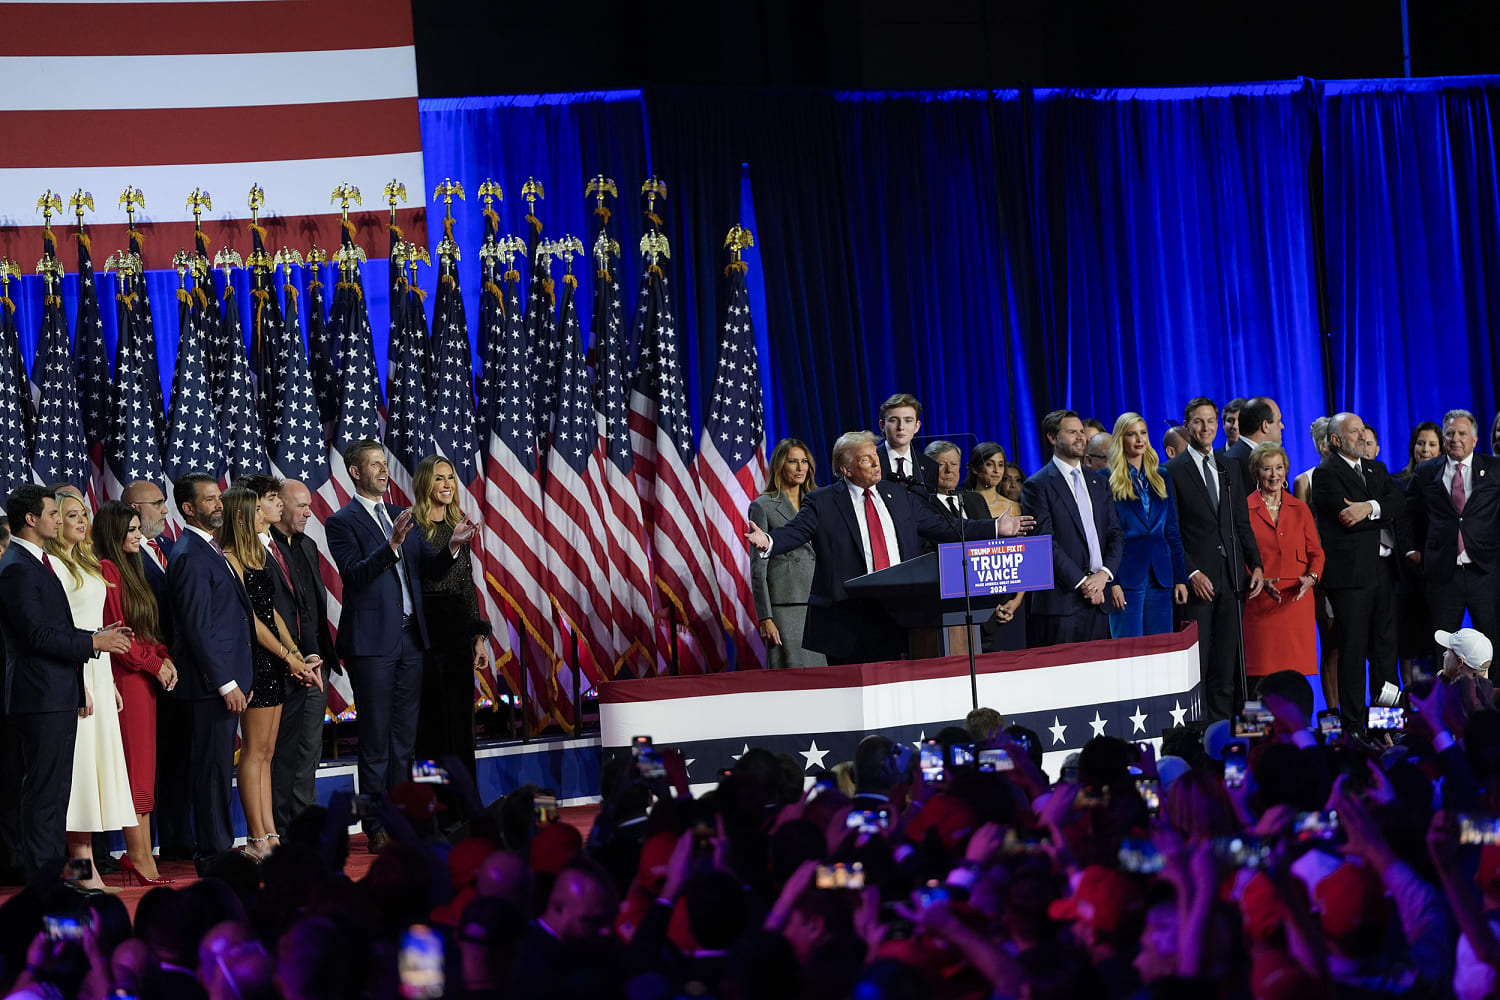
x=781, y=584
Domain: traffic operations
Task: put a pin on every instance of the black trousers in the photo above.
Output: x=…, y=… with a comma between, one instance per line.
x=174, y=787
x=299, y=747
x=1219, y=623
x=1364, y=627
x=1054, y=630
x=46, y=741
x=1467, y=590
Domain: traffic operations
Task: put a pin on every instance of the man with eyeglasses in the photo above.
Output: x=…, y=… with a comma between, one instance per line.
x=151, y=503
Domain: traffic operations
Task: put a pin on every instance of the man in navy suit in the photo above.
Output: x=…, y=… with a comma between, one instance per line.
x=44, y=656
x=382, y=628
x=213, y=629
x=900, y=460
x=858, y=526
x=1074, y=506
x=1260, y=421
x=173, y=739
x=1453, y=504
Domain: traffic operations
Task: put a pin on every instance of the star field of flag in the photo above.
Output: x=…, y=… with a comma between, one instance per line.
x=239, y=418
x=193, y=435
x=453, y=419
x=130, y=448
x=59, y=453
x=296, y=434
x=15, y=466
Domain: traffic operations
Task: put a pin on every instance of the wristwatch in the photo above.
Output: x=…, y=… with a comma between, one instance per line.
x=1314, y=577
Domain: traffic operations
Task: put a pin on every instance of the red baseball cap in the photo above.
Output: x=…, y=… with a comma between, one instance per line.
x=415, y=802
x=1261, y=908
x=1104, y=899
x=554, y=846
x=949, y=815
x=1351, y=897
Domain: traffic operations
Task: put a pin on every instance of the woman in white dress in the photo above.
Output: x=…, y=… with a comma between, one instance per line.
x=101, y=797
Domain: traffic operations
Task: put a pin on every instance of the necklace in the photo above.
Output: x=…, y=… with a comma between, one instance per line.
x=1269, y=505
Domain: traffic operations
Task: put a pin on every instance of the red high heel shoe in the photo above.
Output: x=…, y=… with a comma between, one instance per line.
x=133, y=874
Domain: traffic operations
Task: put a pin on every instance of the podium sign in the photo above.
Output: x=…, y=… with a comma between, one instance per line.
x=1001, y=566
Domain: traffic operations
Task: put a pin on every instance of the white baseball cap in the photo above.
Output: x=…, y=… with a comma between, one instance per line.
x=1469, y=645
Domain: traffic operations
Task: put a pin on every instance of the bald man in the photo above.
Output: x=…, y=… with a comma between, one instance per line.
x=299, y=743
x=151, y=503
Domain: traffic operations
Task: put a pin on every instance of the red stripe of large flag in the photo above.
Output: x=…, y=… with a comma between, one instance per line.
x=572, y=526
x=278, y=70
x=662, y=438
x=624, y=528
x=510, y=492
x=731, y=468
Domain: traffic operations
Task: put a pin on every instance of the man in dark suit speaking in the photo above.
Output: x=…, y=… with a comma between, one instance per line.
x=858, y=526
x=1074, y=506
x=1453, y=504
x=213, y=628
x=44, y=656
x=382, y=628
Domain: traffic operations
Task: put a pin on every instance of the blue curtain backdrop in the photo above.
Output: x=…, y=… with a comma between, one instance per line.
x=1003, y=253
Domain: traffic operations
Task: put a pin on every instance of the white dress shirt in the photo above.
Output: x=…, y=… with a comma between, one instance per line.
x=1086, y=510
x=887, y=524
x=1466, y=468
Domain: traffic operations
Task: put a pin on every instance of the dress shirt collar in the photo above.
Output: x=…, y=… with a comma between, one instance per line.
x=1353, y=463
x=1455, y=464
x=207, y=536
x=368, y=505
x=894, y=454
x=1064, y=466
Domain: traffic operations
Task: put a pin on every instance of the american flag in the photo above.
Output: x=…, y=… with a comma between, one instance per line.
x=359, y=419
x=624, y=529
x=320, y=355
x=328, y=92
x=59, y=453
x=209, y=318
x=193, y=435
x=145, y=347
x=662, y=439
x=731, y=468
x=572, y=525
x=130, y=449
x=541, y=343
x=91, y=367
x=239, y=420
x=15, y=363
x=265, y=325
x=15, y=464
x=512, y=491
x=296, y=436
x=408, y=437
x=454, y=435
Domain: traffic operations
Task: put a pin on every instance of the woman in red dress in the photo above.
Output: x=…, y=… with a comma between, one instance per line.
x=1280, y=631
x=138, y=674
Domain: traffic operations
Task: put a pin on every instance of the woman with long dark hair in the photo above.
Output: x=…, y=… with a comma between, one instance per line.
x=458, y=632
x=139, y=674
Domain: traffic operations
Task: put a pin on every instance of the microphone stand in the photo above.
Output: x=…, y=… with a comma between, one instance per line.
x=922, y=489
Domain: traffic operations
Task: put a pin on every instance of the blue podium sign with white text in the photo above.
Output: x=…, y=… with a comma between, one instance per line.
x=999, y=566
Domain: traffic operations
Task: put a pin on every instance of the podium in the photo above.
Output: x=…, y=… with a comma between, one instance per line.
x=909, y=594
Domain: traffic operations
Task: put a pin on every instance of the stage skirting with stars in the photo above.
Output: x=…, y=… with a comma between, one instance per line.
x=1132, y=688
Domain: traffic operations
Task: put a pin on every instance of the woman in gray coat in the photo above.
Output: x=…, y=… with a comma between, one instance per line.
x=781, y=583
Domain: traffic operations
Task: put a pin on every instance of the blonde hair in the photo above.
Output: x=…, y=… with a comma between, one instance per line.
x=845, y=445
x=1119, y=469
x=236, y=535
x=422, y=482
x=80, y=558
x=1263, y=453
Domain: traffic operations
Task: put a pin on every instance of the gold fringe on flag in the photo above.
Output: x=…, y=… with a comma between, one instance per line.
x=446, y=279
x=494, y=290
x=448, y=227
x=228, y=290
x=258, y=230
x=736, y=265
x=128, y=301
x=512, y=275
x=10, y=306
x=655, y=269
x=139, y=239
x=291, y=291
x=493, y=216
x=47, y=300
x=183, y=296
x=547, y=286
x=352, y=286
x=604, y=273
x=603, y=214
x=570, y=281
x=84, y=241
x=535, y=223
x=348, y=228
x=396, y=232
x=201, y=298
x=653, y=218
x=420, y=293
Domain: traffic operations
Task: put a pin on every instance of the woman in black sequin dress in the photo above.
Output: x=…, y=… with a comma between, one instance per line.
x=246, y=517
x=458, y=633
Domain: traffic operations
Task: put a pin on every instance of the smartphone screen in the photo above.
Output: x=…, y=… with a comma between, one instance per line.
x=1477, y=829
x=1245, y=852
x=62, y=928
x=840, y=876
x=1234, y=765
x=1139, y=856
x=1330, y=724
x=932, y=762
x=962, y=754
x=1389, y=718
x=869, y=821
x=78, y=870
x=1254, y=721
x=420, y=963
x=545, y=808
x=427, y=772
x=1150, y=791
x=994, y=760
x=933, y=892
x=1322, y=825
x=648, y=763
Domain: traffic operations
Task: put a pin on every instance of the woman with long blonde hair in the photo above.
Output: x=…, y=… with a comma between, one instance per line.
x=101, y=798
x=248, y=516
x=1152, y=573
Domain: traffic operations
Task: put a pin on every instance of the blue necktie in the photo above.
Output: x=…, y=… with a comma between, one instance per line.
x=385, y=523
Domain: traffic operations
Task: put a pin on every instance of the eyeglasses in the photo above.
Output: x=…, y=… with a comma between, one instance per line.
x=150, y=503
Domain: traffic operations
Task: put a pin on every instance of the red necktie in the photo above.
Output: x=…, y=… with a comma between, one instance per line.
x=1459, y=498
x=48, y=564
x=286, y=574
x=900, y=466
x=880, y=556
x=156, y=552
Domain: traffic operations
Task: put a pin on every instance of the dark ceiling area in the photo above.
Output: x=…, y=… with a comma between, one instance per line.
x=471, y=47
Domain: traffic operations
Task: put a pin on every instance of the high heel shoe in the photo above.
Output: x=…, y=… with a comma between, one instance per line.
x=133, y=874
